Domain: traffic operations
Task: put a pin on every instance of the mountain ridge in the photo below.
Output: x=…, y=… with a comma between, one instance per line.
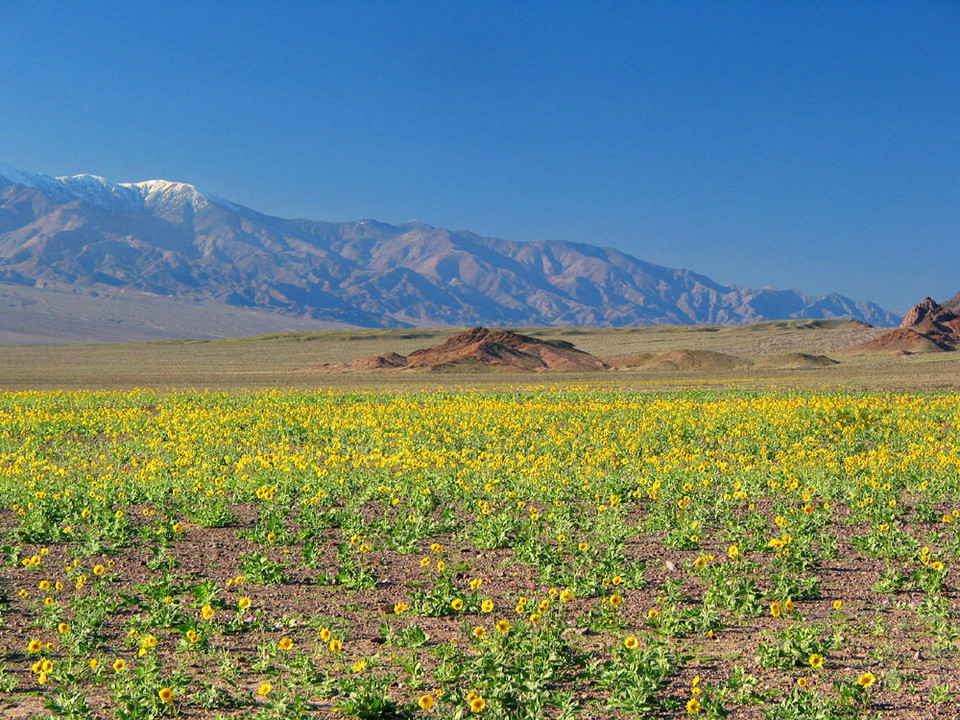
x=169, y=239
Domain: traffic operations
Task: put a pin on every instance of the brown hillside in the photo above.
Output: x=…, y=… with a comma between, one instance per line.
x=697, y=360
x=928, y=327
x=953, y=304
x=903, y=340
x=929, y=317
x=390, y=361
x=796, y=360
x=480, y=346
x=683, y=360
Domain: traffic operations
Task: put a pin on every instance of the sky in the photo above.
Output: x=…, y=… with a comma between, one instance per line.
x=806, y=145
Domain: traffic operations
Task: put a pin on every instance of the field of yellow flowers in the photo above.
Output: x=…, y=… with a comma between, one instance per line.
x=538, y=554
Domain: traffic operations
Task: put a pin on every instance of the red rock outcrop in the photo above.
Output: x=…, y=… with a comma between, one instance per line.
x=928, y=316
x=928, y=327
x=483, y=347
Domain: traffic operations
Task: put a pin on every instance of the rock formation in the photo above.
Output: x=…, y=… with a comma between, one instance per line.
x=928, y=327
x=483, y=347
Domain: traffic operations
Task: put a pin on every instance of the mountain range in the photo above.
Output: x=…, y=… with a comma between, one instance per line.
x=168, y=240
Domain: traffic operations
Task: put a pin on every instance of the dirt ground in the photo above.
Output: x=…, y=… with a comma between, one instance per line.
x=884, y=633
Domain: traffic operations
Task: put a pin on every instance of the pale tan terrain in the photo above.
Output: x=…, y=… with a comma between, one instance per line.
x=288, y=360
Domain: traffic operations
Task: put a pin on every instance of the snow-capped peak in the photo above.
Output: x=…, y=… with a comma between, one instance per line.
x=49, y=185
x=99, y=191
x=174, y=201
x=169, y=194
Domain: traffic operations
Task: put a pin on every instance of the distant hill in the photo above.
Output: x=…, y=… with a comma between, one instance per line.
x=85, y=235
x=482, y=347
x=953, y=304
x=928, y=327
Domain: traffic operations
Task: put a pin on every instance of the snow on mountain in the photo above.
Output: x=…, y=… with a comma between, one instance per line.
x=174, y=201
x=167, y=238
x=151, y=195
x=52, y=187
x=95, y=189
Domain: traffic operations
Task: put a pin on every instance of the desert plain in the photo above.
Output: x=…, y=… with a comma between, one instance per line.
x=750, y=522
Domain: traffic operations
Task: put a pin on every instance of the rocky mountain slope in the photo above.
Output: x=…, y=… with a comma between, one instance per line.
x=168, y=239
x=928, y=327
x=953, y=304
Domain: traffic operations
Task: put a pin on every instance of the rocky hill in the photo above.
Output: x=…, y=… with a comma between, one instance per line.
x=953, y=304
x=483, y=347
x=928, y=327
x=160, y=238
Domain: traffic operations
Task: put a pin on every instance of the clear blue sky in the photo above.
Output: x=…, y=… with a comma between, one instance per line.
x=810, y=145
